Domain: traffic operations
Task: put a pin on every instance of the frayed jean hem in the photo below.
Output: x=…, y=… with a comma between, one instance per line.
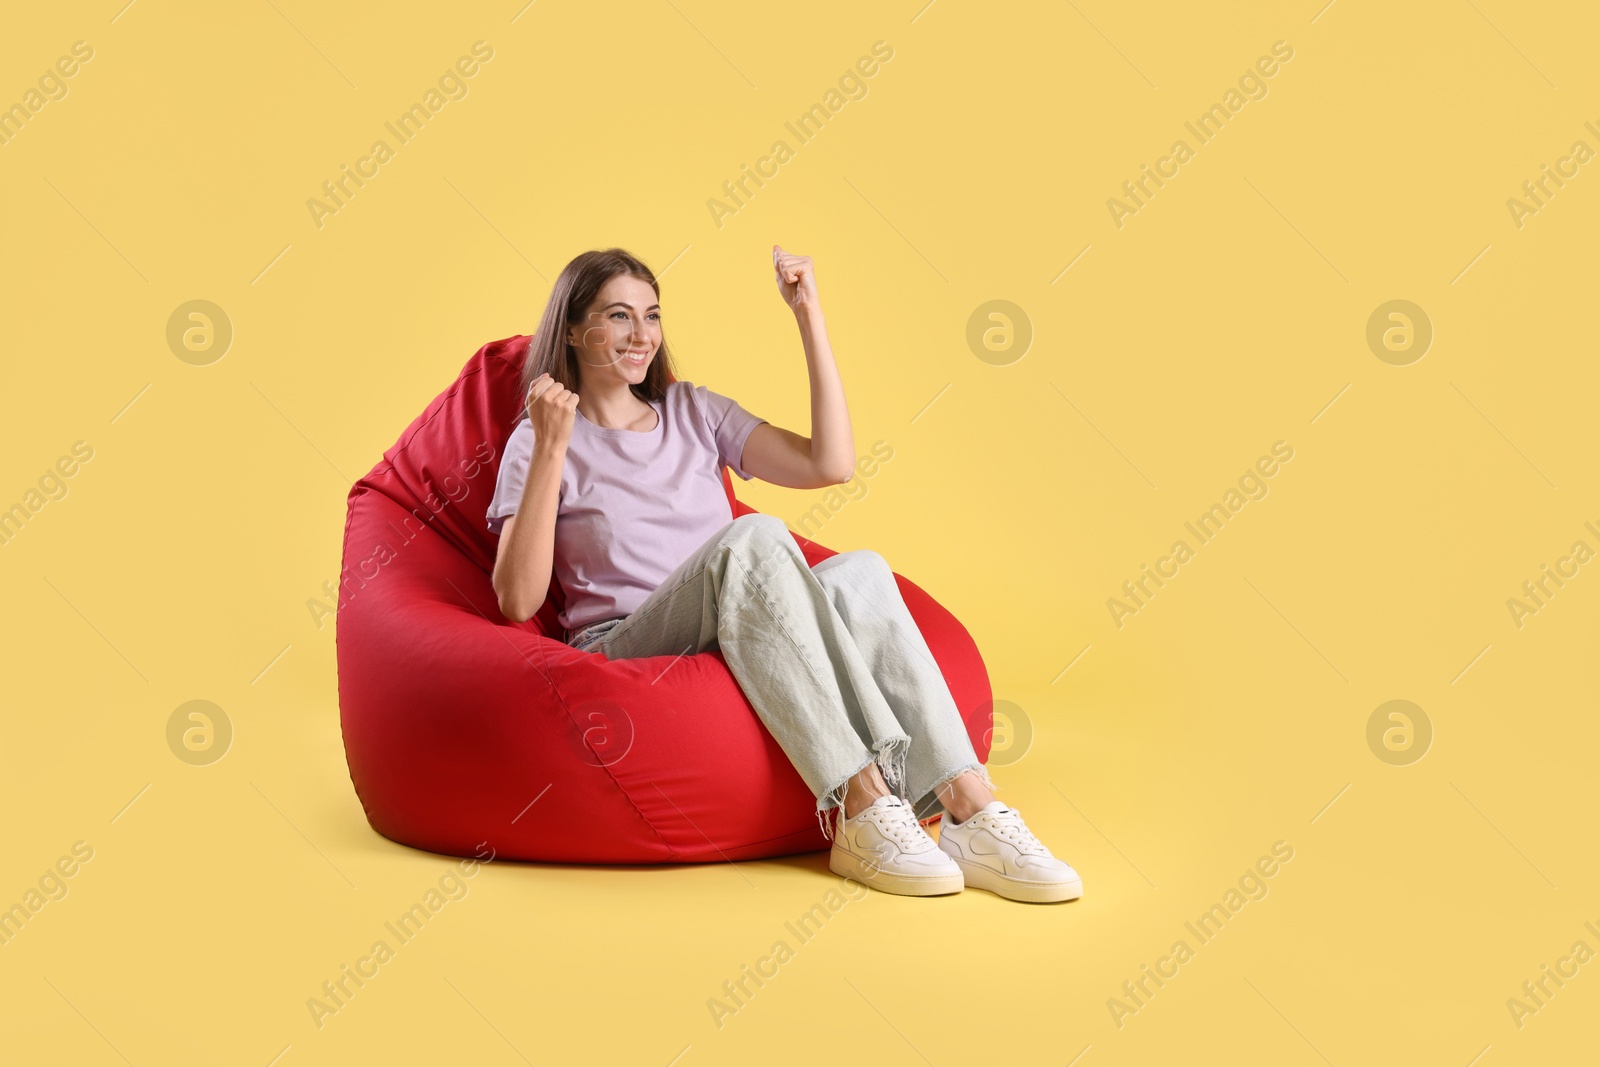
x=890, y=755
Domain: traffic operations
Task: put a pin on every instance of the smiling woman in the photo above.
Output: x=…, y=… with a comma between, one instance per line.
x=611, y=481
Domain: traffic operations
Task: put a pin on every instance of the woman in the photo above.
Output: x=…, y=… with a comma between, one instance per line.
x=613, y=478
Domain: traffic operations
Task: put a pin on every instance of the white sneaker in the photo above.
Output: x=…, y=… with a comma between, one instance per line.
x=996, y=851
x=884, y=847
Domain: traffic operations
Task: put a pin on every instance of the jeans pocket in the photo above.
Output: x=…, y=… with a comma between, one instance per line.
x=586, y=638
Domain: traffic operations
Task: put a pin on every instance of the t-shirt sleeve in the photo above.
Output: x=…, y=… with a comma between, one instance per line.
x=730, y=425
x=513, y=476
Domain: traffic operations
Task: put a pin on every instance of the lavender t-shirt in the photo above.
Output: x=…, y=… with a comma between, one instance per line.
x=634, y=504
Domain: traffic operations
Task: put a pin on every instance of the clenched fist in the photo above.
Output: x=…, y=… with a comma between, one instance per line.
x=551, y=410
x=797, y=279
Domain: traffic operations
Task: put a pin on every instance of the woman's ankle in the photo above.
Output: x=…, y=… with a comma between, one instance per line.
x=863, y=789
x=964, y=795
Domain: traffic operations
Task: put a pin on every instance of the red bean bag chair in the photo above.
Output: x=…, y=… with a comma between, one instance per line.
x=470, y=735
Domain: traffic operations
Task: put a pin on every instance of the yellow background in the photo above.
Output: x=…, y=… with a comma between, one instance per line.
x=1229, y=313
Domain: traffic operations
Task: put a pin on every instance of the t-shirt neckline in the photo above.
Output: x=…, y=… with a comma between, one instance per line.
x=608, y=431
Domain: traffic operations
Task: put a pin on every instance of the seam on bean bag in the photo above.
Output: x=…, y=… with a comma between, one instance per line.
x=567, y=710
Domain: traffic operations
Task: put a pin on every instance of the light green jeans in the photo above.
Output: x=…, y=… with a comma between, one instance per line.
x=829, y=656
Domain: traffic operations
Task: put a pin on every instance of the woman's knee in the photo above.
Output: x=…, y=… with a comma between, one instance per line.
x=763, y=546
x=857, y=567
x=756, y=532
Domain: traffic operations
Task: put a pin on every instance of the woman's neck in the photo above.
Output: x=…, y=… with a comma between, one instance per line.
x=612, y=407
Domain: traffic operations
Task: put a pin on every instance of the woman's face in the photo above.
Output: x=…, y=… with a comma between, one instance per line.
x=620, y=334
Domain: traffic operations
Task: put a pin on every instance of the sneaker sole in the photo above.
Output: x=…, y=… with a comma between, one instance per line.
x=848, y=865
x=977, y=876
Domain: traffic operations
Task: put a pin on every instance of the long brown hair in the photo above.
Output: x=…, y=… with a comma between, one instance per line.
x=574, y=291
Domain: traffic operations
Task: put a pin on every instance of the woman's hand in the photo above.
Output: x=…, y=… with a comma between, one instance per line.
x=551, y=408
x=796, y=280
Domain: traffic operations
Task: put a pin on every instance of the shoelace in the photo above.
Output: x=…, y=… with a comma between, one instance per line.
x=896, y=822
x=1008, y=824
